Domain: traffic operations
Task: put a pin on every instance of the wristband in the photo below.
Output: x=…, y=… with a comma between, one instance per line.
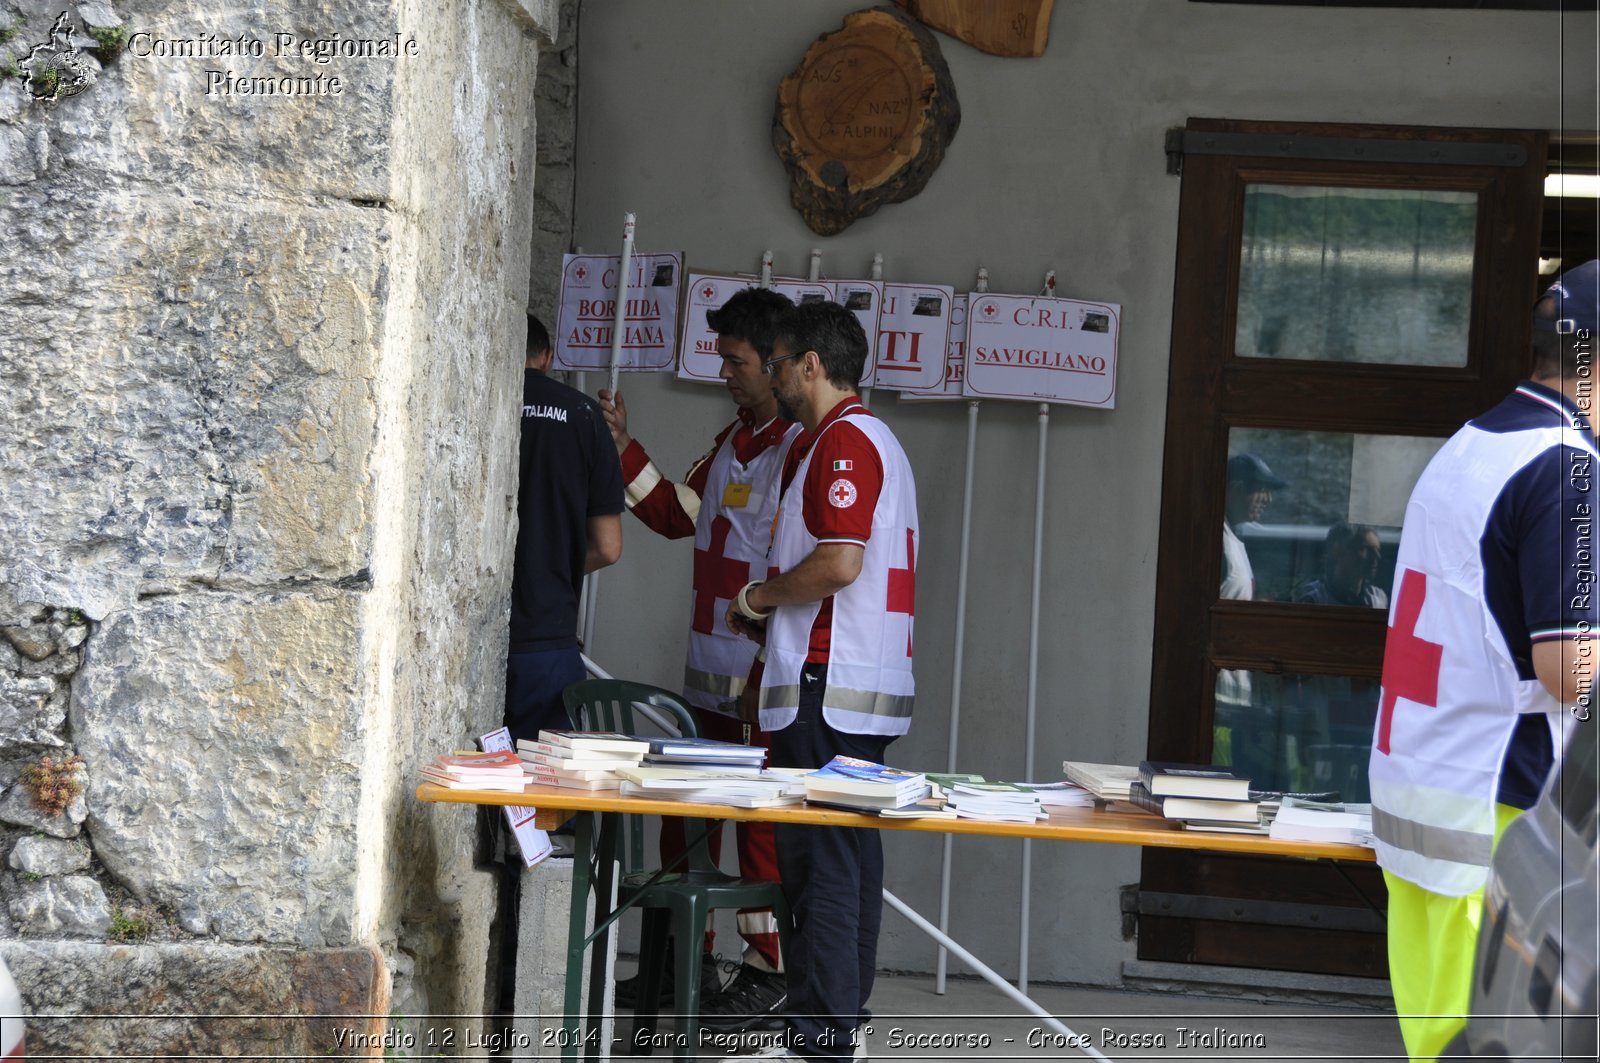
x=742, y=603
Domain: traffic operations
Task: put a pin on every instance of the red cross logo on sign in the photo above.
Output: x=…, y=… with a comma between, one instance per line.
x=707, y=292
x=716, y=576
x=903, y=586
x=1410, y=664
x=989, y=310
x=582, y=272
x=842, y=494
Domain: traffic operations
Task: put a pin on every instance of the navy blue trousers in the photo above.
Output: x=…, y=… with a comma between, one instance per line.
x=833, y=880
x=534, y=682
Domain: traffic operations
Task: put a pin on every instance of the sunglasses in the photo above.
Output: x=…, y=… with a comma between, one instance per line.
x=769, y=366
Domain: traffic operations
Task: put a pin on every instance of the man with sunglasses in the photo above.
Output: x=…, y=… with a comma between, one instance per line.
x=836, y=614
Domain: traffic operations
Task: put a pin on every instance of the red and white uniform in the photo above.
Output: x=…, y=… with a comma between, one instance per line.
x=848, y=482
x=727, y=501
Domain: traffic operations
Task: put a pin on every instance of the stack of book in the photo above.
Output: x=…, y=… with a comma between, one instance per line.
x=1309, y=821
x=1107, y=782
x=580, y=760
x=1060, y=794
x=864, y=786
x=1200, y=796
x=476, y=771
x=704, y=751
x=1002, y=801
x=711, y=785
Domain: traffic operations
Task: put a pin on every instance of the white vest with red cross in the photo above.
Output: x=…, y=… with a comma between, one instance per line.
x=1451, y=694
x=869, y=686
x=731, y=538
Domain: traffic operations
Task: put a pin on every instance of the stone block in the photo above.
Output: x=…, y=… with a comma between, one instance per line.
x=545, y=909
x=230, y=726
x=74, y=905
x=200, y=1001
x=17, y=807
x=33, y=855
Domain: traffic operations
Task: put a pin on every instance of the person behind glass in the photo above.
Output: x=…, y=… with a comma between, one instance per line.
x=1249, y=493
x=727, y=501
x=569, y=513
x=836, y=617
x=1488, y=660
x=1350, y=558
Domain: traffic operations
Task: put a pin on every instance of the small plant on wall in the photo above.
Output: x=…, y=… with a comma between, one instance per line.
x=53, y=783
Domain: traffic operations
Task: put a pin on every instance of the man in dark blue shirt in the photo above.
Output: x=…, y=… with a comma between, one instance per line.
x=569, y=511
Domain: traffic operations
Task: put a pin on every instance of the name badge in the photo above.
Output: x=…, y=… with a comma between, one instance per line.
x=736, y=496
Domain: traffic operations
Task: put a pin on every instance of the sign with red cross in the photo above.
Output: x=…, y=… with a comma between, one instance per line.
x=707, y=292
x=1410, y=663
x=955, y=357
x=587, y=316
x=1042, y=349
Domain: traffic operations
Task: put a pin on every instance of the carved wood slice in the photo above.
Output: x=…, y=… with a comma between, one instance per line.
x=864, y=119
x=1012, y=28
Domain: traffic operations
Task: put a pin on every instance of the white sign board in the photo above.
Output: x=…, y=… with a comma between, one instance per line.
x=1043, y=349
x=955, y=358
x=707, y=292
x=534, y=843
x=589, y=305
x=913, y=332
x=864, y=299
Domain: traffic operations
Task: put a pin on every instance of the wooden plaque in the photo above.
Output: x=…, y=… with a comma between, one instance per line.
x=1012, y=28
x=864, y=119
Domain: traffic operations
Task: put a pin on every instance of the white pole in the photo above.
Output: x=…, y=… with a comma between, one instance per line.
x=619, y=317
x=947, y=855
x=1033, y=664
x=993, y=979
x=816, y=265
x=766, y=269
x=872, y=341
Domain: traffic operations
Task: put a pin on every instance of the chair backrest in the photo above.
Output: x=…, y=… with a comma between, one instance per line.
x=607, y=705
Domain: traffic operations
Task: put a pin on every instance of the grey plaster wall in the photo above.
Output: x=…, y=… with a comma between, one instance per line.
x=259, y=367
x=1058, y=164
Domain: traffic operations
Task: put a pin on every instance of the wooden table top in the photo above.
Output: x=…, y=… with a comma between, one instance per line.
x=1118, y=824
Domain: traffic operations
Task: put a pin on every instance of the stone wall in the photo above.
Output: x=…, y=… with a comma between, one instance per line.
x=259, y=359
x=556, y=109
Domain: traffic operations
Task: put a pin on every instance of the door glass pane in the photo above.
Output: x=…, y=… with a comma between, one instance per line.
x=1375, y=275
x=1315, y=517
x=1302, y=733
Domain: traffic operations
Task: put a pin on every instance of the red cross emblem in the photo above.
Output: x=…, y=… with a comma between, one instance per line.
x=1410, y=664
x=581, y=272
x=988, y=310
x=903, y=586
x=716, y=576
x=707, y=292
x=842, y=494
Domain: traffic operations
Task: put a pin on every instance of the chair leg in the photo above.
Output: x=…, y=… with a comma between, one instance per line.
x=654, y=925
x=690, y=926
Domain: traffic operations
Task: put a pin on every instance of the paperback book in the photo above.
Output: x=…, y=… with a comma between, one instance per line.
x=1194, y=808
x=590, y=742
x=1105, y=781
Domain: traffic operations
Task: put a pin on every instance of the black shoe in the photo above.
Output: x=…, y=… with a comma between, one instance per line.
x=710, y=983
x=752, y=1001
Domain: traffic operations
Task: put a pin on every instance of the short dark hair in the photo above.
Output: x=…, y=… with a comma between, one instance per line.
x=752, y=316
x=834, y=333
x=1559, y=353
x=538, y=336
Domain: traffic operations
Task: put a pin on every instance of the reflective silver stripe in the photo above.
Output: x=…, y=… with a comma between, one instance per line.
x=642, y=484
x=761, y=921
x=865, y=702
x=722, y=686
x=1435, y=843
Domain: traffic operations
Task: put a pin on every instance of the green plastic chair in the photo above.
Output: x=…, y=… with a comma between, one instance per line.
x=674, y=901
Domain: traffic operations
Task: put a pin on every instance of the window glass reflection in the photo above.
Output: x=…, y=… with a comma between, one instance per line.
x=1376, y=275
x=1299, y=733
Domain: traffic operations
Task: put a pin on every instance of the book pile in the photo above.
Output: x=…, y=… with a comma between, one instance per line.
x=1310, y=821
x=1107, y=782
x=1200, y=796
x=475, y=771
x=712, y=785
x=579, y=760
x=1002, y=801
x=704, y=751
x=1060, y=794
x=1269, y=801
x=864, y=786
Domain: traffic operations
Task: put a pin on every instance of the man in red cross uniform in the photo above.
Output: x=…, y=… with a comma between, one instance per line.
x=1488, y=658
x=836, y=613
x=727, y=501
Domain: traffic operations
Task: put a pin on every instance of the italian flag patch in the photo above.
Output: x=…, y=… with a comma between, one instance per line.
x=842, y=466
